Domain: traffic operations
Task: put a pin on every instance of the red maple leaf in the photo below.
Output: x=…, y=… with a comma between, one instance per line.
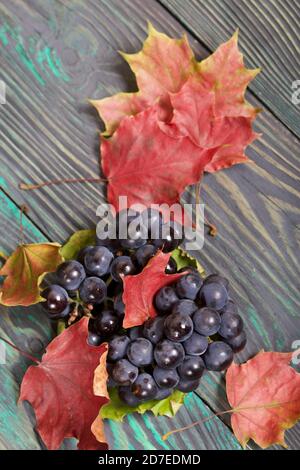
x=147, y=165
x=265, y=396
x=139, y=290
x=60, y=389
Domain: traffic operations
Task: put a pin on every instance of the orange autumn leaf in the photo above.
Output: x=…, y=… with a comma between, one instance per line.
x=23, y=271
x=265, y=396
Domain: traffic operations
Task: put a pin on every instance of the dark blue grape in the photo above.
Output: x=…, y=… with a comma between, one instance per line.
x=188, y=286
x=97, y=260
x=154, y=329
x=178, y=327
x=56, y=300
x=213, y=295
x=186, y=386
x=117, y=348
x=172, y=236
x=134, y=235
x=140, y=352
x=94, y=339
x=192, y=368
x=231, y=325
x=206, y=321
x=185, y=306
x=70, y=274
x=121, y=266
x=144, y=254
x=165, y=298
x=196, y=345
x=165, y=378
x=128, y=397
x=218, y=356
x=218, y=279
x=93, y=290
x=124, y=373
x=107, y=323
x=144, y=388
x=171, y=267
x=168, y=354
x=238, y=342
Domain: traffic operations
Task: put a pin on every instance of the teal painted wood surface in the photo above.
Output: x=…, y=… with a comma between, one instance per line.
x=56, y=55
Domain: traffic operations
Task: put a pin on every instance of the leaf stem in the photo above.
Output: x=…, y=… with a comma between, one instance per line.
x=25, y=354
x=30, y=187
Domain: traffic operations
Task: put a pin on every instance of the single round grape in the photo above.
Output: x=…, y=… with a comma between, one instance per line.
x=82, y=253
x=213, y=295
x=196, y=344
x=218, y=356
x=172, y=236
x=121, y=266
x=185, y=306
x=186, y=386
x=128, y=397
x=135, y=332
x=231, y=325
x=171, y=267
x=124, y=373
x=165, y=298
x=93, y=290
x=178, y=327
x=136, y=234
x=152, y=220
x=56, y=299
x=238, y=342
x=144, y=254
x=154, y=329
x=168, y=354
x=144, y=388
x=192, y=368
x=119, y=306
x=218, y=279
x=140, y=352
x=163, y=393
x=70, y=274
x=107, y=323
x=117, y=348
x=206, y=321
x=165, y=378
x=94, y=339
x=97, y=260
x=188, y=286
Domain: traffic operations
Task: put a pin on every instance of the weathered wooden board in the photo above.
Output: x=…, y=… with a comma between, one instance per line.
x=269, y=36
x=31, y=331
x=54, y=56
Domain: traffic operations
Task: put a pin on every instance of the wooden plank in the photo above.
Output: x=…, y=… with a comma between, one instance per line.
x=255, y=208
x=30, y=330
x=269, y=36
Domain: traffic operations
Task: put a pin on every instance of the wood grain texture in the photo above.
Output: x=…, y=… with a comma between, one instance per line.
x=269, y=36
x=54, y=56
x=30, y=330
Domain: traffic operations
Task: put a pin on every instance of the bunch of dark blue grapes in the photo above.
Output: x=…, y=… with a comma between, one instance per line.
x=197, y=327
x=93, y=283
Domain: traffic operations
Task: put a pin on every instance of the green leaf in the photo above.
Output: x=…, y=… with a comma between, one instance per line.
x=117, y=410
x=76, y=242
x=184, y=259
